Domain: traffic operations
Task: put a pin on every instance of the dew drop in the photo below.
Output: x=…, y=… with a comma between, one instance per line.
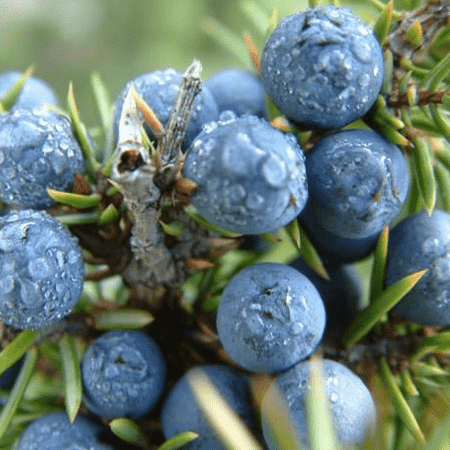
x=334, y=397
x=288, y=75
x=58, y=162
x=73, y=257
x=364, y=80
x=111, y=371
x=255, y=202
x=9, y=173
x=64, y=144
x=430, y=245
x=441, y=268
x=362, y=49
x=444, y=298
x=39, y=268
x=61, y=258
x=286, y=59
x=274, y=172
x=7, y=284
x=226, y=117
x=209, y=127
x=304, y=302
x=236, y=193
x=297, y=328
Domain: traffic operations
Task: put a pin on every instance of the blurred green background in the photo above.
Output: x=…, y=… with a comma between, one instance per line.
x=68, y=40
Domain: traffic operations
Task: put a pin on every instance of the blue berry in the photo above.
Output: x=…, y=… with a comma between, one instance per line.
x=358, y=182
x=37, y=150
x=251, y=177
x=422, y=242
x=55, y=432
x=352, y=406
x=180, y=411
x=123, y=374
x=9, y=376
x=41, y=270
x=270, y=317
x=323, y=68
x=159, y=89
x=341, y=295
x=335, y=250
x=238, y=90
x=35, y=93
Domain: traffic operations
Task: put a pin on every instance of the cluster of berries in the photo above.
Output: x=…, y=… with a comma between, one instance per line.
x=41, y=266
x=322, y=68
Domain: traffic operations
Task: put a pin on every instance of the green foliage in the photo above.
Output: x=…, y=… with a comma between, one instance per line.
x=72, y=375
x=128, y=431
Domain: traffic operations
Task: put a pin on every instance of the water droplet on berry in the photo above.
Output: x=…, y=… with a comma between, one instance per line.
x=364, y=81
x=209, y=127
x=235, y=193
x=58, y=162
x=9, y=173
x=297, y=328
x=226, y=117
x=362, y=49
x=303, y=302
x=300, y=73
x=286, y=60
x=61, y=258
x=64, y=144
x=444, y=298
x=274, y=172
x=73, y=257
x=39, y=268
x=7, y=284
x=431, y=245
x=334, y=397
x=255, y=202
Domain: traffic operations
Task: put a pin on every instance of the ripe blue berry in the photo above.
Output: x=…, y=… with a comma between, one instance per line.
x=41, y=270
x=37, y=150
x=352, y=406
x=341, y=295
x=358, y=182
x=55, y=432
x=251, y=177
x=335, y=250
x=180, y=411
x=123, y=374
x=35, y=93
x=9, y=376
x=238, y=90
x=323, y=68
x=270, y=317
x=422, y=242
x=159, y=89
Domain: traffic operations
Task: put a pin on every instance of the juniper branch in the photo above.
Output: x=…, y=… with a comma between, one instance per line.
x=145, y=184
x=432, y=17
